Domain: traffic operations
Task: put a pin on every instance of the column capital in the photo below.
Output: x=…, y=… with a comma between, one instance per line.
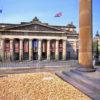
x=64, y=40
x=40, y=39
x=30, y=39
x=11, y=39
x=21, y=39
x=48, y=39
x=2, y=39
x=57, y=39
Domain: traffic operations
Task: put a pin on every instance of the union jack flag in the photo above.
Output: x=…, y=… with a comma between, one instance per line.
x=0, y=10
x=59, y=14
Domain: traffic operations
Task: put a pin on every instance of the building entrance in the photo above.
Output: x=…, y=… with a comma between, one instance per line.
x=25, y=50
x=60, y=49
x=35, y=49
x=44, y=49
x=7, y=50
x=16, y=49
x=52, y=49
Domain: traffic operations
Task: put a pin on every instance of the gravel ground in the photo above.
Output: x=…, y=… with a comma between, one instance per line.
x=37, y=86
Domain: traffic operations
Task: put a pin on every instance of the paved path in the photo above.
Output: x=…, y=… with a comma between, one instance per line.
x=87, y=82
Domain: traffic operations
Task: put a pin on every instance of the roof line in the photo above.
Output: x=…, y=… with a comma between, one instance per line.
x=33, y=24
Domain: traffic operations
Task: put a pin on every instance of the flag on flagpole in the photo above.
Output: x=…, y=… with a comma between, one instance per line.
x=0, y=10
x=59, y=14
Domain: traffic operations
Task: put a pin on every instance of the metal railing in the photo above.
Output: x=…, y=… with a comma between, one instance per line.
x=39, y=64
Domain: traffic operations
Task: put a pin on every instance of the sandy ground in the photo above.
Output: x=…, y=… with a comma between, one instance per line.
x=37, y=86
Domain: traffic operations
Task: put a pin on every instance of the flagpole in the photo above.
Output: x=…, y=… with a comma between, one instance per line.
x=1, y=11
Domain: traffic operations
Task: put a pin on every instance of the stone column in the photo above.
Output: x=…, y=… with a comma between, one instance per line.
x=21, y=50
x=30, y=49
x=85, y=34
x=64, y=49
x=2, y=50
x=39, y=49
x=11, y=49
x=48, y=49
x=56, y=51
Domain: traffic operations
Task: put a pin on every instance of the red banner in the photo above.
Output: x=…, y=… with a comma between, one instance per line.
x=7, y=47
x=60, y=47
x=26, y=47
x=53, y=47
x=16, y=47
x=44, y=47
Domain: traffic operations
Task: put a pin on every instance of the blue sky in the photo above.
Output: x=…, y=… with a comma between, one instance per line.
x=16, y=11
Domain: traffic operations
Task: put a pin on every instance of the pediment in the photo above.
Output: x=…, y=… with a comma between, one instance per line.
x=35, y=27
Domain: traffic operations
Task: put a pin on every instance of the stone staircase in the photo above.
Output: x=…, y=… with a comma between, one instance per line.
x=82, y=81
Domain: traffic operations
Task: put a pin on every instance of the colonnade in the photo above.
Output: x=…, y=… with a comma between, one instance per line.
x=51, y=49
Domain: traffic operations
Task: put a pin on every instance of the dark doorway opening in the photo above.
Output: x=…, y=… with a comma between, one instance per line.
x=35, y=49
x=25, y=50
x=44, y=49
x=52, y=49
x=16, y=49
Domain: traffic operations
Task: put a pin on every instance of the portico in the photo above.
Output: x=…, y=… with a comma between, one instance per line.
x=33, y=49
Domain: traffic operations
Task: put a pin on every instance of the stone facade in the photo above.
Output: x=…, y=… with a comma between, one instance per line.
x=37, y=41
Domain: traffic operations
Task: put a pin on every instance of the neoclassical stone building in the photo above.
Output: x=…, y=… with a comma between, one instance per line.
x=37, y=41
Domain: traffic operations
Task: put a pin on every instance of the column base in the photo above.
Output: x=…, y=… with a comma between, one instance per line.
x=84, y=69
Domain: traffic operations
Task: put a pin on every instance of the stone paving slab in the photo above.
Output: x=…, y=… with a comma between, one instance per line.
x=89, y=83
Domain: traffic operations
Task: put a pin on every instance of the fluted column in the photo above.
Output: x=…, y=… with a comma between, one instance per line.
x=64, y=49
x=48, y=49
x=2, y=50
x=39, y=49
x=11, y=49
x=57, y=52
x=85, y=34
x=21, y=50
x=30, y=49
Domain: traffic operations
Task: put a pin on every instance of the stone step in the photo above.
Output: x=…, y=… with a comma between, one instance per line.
x=86, y=81
x=66, y=76
x=95, y=80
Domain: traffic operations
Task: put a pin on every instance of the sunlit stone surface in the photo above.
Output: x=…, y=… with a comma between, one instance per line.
x=38, y=86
